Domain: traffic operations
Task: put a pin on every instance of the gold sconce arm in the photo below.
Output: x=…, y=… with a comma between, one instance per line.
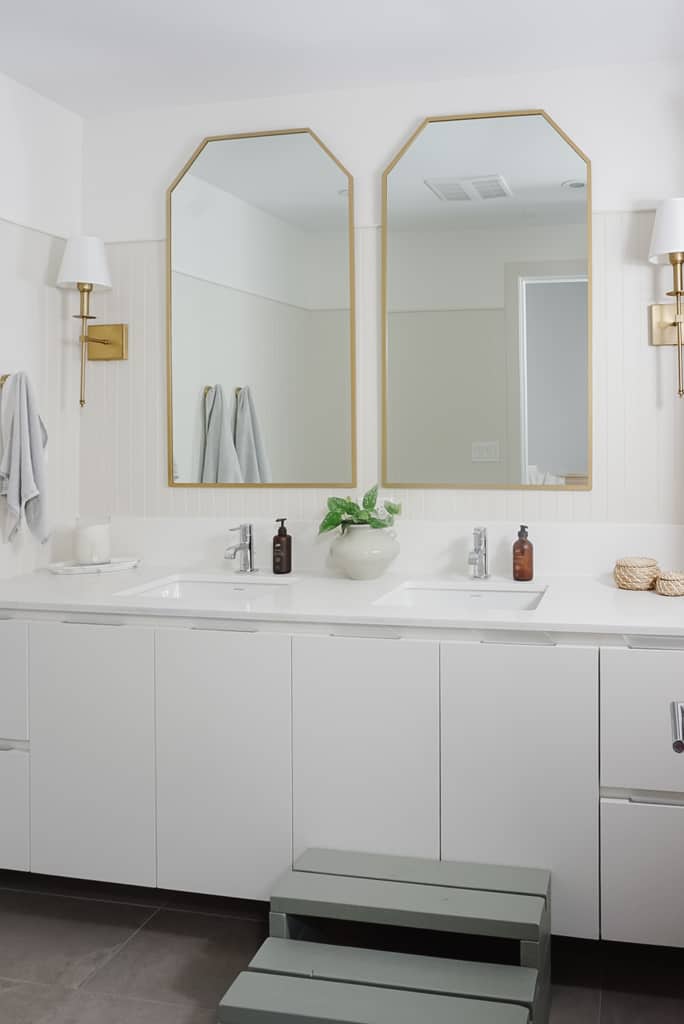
x=667, y=320
x=98, y=342
x=84, y=291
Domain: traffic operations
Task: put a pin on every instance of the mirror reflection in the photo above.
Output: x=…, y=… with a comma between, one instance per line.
x=260, y=315
x=486, y=278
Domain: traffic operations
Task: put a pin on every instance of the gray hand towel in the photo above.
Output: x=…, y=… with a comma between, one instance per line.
x=23, y=475
x=220, y=463
x=249, y=442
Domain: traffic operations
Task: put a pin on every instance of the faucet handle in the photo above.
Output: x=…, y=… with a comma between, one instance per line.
x=245, y=531
x=479, y=536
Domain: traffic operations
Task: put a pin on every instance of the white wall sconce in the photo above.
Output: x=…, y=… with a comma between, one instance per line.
x=667, y=246
x=84, y=266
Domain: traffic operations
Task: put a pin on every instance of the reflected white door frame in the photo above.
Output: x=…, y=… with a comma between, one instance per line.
x=523, y=284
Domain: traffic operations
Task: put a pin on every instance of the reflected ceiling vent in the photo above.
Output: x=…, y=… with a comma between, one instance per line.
x=485, y=186
x=449, y=190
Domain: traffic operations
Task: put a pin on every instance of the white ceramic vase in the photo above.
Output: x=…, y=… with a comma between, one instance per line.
x=364, y=553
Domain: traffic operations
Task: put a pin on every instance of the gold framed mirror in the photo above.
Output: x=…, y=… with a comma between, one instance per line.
x=261, y=314
x=486, y=306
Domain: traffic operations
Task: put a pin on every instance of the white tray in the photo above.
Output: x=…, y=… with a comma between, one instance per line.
x=76, y=568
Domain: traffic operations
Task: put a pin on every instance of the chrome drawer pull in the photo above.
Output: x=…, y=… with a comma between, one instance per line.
x=677, y=708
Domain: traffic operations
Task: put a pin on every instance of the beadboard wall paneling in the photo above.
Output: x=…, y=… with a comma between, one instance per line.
x=638, y=420
x=37, y=335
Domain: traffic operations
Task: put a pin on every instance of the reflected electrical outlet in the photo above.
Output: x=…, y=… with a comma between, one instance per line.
x=485, y=451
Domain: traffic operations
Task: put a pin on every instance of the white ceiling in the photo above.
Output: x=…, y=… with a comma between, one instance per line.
x=527, y=152
x=96, y=56
x=289, y=176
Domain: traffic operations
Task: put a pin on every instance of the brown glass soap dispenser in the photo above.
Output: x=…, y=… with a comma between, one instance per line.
x=282, y=550
x=523, y=557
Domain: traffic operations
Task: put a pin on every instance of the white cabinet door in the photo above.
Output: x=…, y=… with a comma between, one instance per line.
x=13, y=680
x=366, y=745
x=520, y=767
x=224, y=771
x=638, y=689
x=642, y=898
x=91, y=713
x=14, y=808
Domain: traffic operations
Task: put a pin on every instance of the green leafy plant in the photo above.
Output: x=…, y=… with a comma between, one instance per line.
x=344, y=512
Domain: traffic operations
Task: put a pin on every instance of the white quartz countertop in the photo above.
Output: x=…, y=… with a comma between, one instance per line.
x=579, y=605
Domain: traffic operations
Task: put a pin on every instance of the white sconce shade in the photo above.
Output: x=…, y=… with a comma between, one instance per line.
x=668, y=231
x=84, y=261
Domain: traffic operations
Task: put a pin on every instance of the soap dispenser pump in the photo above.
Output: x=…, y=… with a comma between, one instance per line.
x=282, y=550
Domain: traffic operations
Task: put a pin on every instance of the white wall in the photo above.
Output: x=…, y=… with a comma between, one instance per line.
x=625, y=118
x=447, y=389
x=40, y=197
x=465, y=269
x=41, y=179
x=453, y=366
x=295, y=361
x=249, y=299
x=638, y=422
x=218, y=237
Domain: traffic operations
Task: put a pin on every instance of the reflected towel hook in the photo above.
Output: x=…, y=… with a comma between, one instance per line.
x=208, y=388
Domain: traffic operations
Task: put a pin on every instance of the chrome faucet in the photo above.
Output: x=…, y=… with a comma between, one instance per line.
x=478, y=560
x=245, y=548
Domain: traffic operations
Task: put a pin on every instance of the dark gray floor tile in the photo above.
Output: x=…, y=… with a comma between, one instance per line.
x=576, y=962
x=51, y=1004
x=637, y=1008
x=58, y=940
x=648, y=970
x=572, y=1004
x=201, y=904
x=24, y=881
x=181, y=957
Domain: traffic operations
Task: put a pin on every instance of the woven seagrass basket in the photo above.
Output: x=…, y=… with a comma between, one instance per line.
x=670, y=584
x=636, y=573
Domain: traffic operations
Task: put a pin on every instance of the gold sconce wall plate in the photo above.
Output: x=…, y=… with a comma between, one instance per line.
x=107, y=342
x=663, y=324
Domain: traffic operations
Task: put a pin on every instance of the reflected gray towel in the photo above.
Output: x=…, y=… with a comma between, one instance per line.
x=535, y=475
x=23, y=475
x=220, y=463
x=249, y=442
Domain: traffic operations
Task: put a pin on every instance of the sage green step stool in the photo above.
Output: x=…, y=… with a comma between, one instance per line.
x=256, y=998
x=496, y=983
x=447, y=896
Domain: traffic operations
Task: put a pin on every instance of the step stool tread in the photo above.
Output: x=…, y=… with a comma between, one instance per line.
x=438, y=908
x=438, y=975
x=255, y=998
x=457, y=874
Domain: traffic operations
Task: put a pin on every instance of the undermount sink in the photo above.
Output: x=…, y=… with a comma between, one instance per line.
x=213, y=590
x=462, y=600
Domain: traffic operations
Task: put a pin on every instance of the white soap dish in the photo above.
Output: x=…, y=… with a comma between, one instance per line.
x=78, y=568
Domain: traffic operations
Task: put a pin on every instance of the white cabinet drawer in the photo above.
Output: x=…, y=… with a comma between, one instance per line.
x=14, y=809
x=638, y=689
x=642, y=896
x=13, y=680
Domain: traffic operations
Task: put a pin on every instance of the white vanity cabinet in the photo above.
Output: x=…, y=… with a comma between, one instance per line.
x=91, y=717
x=520, y=767
x=14, y=757
x=366, y=744
x=642, y=805
x=224, y=772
